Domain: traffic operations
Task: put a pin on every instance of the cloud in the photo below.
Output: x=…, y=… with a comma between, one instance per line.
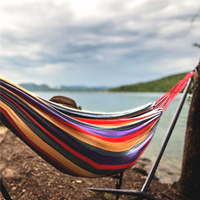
x=176, y=65
x=98, y=42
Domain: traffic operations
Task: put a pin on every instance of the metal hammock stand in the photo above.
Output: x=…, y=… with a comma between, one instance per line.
x=143, y=193
x=145, y=188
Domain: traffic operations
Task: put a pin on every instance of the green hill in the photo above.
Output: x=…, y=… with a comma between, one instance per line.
x=161, y=85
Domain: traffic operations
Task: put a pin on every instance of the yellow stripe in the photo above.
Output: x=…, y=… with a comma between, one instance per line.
x=34, y=96
x=105, y=145
x=44, y=146
x=29, y=93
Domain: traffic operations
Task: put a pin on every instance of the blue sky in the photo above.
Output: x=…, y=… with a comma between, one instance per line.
x=97, y=43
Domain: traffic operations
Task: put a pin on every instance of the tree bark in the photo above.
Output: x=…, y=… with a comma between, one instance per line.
x=189, y=182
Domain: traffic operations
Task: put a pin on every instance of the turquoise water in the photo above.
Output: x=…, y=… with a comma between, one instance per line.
x=114, y=102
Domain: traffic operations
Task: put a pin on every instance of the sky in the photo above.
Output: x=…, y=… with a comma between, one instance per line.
x=97, y=42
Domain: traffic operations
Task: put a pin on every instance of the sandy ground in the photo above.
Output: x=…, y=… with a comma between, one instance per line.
x=27, y=176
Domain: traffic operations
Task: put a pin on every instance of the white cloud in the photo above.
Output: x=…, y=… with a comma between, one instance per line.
x=176, y=65
x=26, y=50
x=177, y=27
x=41, y=37
x=47, y=73
x=47, y=69
x=52, y=72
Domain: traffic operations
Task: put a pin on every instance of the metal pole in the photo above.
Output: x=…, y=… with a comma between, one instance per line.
x=167, y=137
x=4, y=191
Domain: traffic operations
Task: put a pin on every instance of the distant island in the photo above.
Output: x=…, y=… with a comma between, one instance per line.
x=45, y=88
x=160, y=85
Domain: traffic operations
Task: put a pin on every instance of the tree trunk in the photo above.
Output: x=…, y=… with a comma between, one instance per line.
x=189, y=182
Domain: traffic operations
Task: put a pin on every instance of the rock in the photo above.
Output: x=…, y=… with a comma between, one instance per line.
x=8, y=172
x=3, y=131
x=141, y=171
x=143, y=166
x=78, y=181
x=2, y=166
x=163, y=173
x=166, y=176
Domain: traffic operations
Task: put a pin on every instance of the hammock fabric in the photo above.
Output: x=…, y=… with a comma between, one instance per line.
x=82, y=143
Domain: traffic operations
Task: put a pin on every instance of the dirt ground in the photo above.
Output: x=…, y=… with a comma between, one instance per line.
x=27, y=176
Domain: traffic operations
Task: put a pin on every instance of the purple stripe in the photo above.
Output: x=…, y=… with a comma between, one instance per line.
x=96, y=156
x=119, y=133
x=68, y=119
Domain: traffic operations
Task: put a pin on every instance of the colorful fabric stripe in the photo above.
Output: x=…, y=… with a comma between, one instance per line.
x=81, y=143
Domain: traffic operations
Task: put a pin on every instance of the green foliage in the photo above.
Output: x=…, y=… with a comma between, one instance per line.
x=108, y=196
x=161, y=85
x=197, y=45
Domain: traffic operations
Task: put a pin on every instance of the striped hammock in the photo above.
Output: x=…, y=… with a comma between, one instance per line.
x=82, y=143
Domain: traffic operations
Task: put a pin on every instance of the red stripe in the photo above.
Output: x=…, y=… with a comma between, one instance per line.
x=80, y=156
x=90, y=121
x=81, y=130
x=108, y=139
x=108, y=121
x=97, y=166
x=34, y=145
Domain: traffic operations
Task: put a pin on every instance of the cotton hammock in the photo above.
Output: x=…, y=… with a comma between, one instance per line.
x=82, y=143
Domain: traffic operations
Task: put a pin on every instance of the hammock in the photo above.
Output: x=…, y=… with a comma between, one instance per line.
x=82, y=143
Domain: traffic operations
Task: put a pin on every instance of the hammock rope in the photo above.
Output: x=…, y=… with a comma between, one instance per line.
x=164, y=101
x=82, y=143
